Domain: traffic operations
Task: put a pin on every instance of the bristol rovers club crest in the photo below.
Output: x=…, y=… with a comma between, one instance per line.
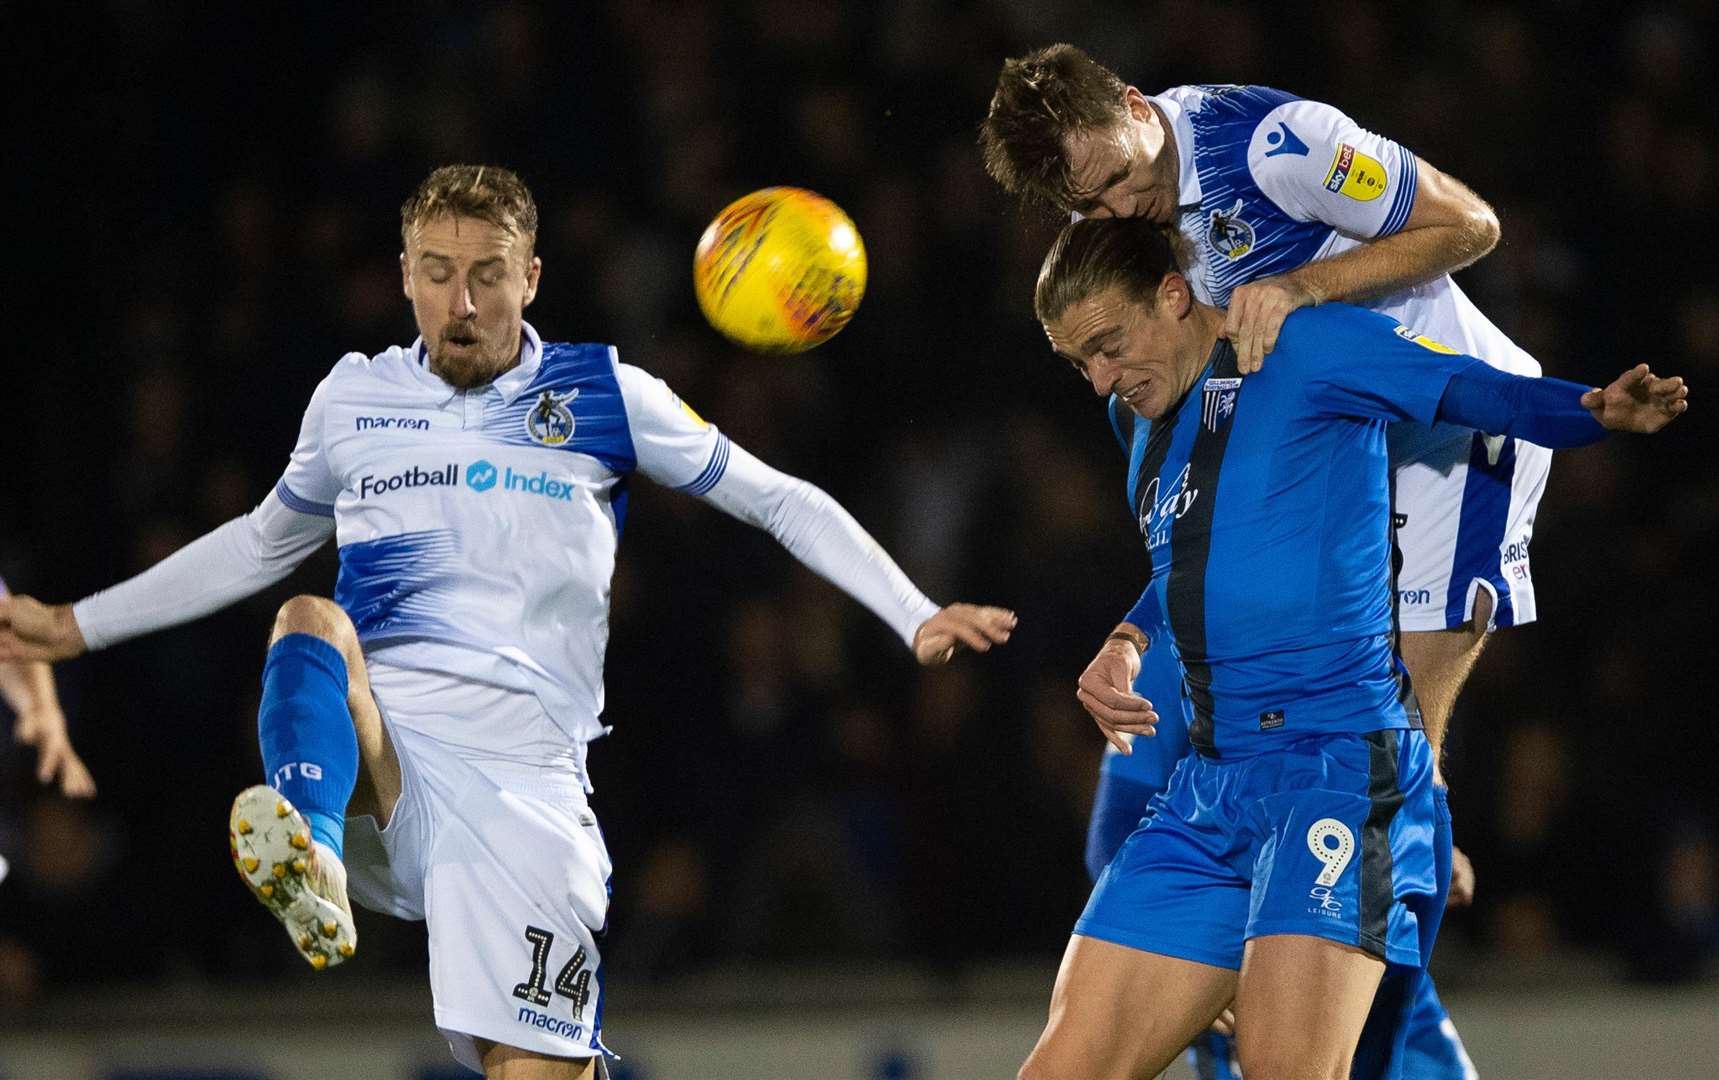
x=550, y=421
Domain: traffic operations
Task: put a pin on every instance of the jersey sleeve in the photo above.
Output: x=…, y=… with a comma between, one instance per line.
x=1548, y=412
x=1147, y=614
x=673, y=444
x=1319, y=165
x=1358, y=364
x=308, y=485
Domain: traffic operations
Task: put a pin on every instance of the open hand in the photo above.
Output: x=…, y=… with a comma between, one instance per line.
x=32, y=630
x=958, y=626
x=1638, y=401
x=1106, y=690
x=1256, y=314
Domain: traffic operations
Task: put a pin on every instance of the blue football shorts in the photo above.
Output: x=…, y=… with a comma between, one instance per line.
x=1331, y=836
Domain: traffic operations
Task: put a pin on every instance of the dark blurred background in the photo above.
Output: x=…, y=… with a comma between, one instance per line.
x=204, y=218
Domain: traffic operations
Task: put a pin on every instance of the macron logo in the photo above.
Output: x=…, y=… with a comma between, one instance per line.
x=378, y=423
x=554, y=1025
x=480, y=476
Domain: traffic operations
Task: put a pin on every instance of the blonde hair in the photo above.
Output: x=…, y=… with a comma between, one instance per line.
x=486, y=192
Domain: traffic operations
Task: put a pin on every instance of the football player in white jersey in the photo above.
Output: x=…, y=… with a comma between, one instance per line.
x=1284, y=203
x=425, y=734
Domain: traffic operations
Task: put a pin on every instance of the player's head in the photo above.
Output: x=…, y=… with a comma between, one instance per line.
x=1114, y=303
x=468, y=265
x=1065, y=133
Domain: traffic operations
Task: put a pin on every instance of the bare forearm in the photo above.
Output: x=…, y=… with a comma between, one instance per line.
x=1397, y=262
x=1449, y=228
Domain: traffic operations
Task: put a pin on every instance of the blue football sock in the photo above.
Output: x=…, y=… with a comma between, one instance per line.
x=310, y=751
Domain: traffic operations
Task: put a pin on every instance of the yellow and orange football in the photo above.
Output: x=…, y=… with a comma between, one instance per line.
x=779, y=270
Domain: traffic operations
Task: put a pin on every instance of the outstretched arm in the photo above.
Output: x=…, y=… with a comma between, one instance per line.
x=1559, y=414
x=676, y=447
x=242, y=557
x=1362, y=364
x=827, y=539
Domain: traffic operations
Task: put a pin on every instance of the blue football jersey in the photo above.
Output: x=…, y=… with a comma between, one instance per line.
x=1264, y=505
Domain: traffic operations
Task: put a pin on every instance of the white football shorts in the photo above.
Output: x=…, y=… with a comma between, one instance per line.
x=1463, y=506
x=504, y=862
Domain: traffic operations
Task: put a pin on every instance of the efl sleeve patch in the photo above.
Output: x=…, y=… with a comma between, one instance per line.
x=1425, y=342
x=690, y=411
x=674, y=445
x=1355, y=175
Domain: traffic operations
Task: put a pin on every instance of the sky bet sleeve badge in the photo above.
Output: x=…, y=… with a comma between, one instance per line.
x=1356, y=175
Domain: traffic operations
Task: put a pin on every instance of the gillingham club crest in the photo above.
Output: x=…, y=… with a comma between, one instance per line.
x=550, y=421
x=1218, y=402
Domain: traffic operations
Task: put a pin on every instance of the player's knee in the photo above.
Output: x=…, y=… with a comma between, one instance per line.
x=317, y=616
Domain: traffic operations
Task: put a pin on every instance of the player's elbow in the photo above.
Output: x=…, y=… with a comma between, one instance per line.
x=1483, y=228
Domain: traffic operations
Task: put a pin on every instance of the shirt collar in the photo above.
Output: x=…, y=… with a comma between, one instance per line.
x=1182, y=131
x=512, y=382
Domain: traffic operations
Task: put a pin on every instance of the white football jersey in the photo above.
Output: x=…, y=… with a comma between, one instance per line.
x=489, y=519
x=478, y=529
x=1269, y=181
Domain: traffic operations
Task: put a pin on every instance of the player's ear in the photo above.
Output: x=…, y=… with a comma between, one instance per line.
x=405, y=276
x=1136, y=104
x=532, y=273
x=1174, y=297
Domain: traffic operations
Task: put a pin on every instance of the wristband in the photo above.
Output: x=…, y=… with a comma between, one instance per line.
x=1140, y=641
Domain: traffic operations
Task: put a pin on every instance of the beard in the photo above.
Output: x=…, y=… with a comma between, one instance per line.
x=478, y=363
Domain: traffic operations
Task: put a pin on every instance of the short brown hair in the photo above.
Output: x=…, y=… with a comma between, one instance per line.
x=486, y=192
x=1092, y=255
x=1042, y=98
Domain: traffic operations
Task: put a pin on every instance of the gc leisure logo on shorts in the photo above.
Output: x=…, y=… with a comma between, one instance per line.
x=479, y=476
x=1333, y=844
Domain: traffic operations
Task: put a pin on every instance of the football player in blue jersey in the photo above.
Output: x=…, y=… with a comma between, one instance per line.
x=1292, y=856
x=1284, y=203
x=1431, y=1050
x=424, y=734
